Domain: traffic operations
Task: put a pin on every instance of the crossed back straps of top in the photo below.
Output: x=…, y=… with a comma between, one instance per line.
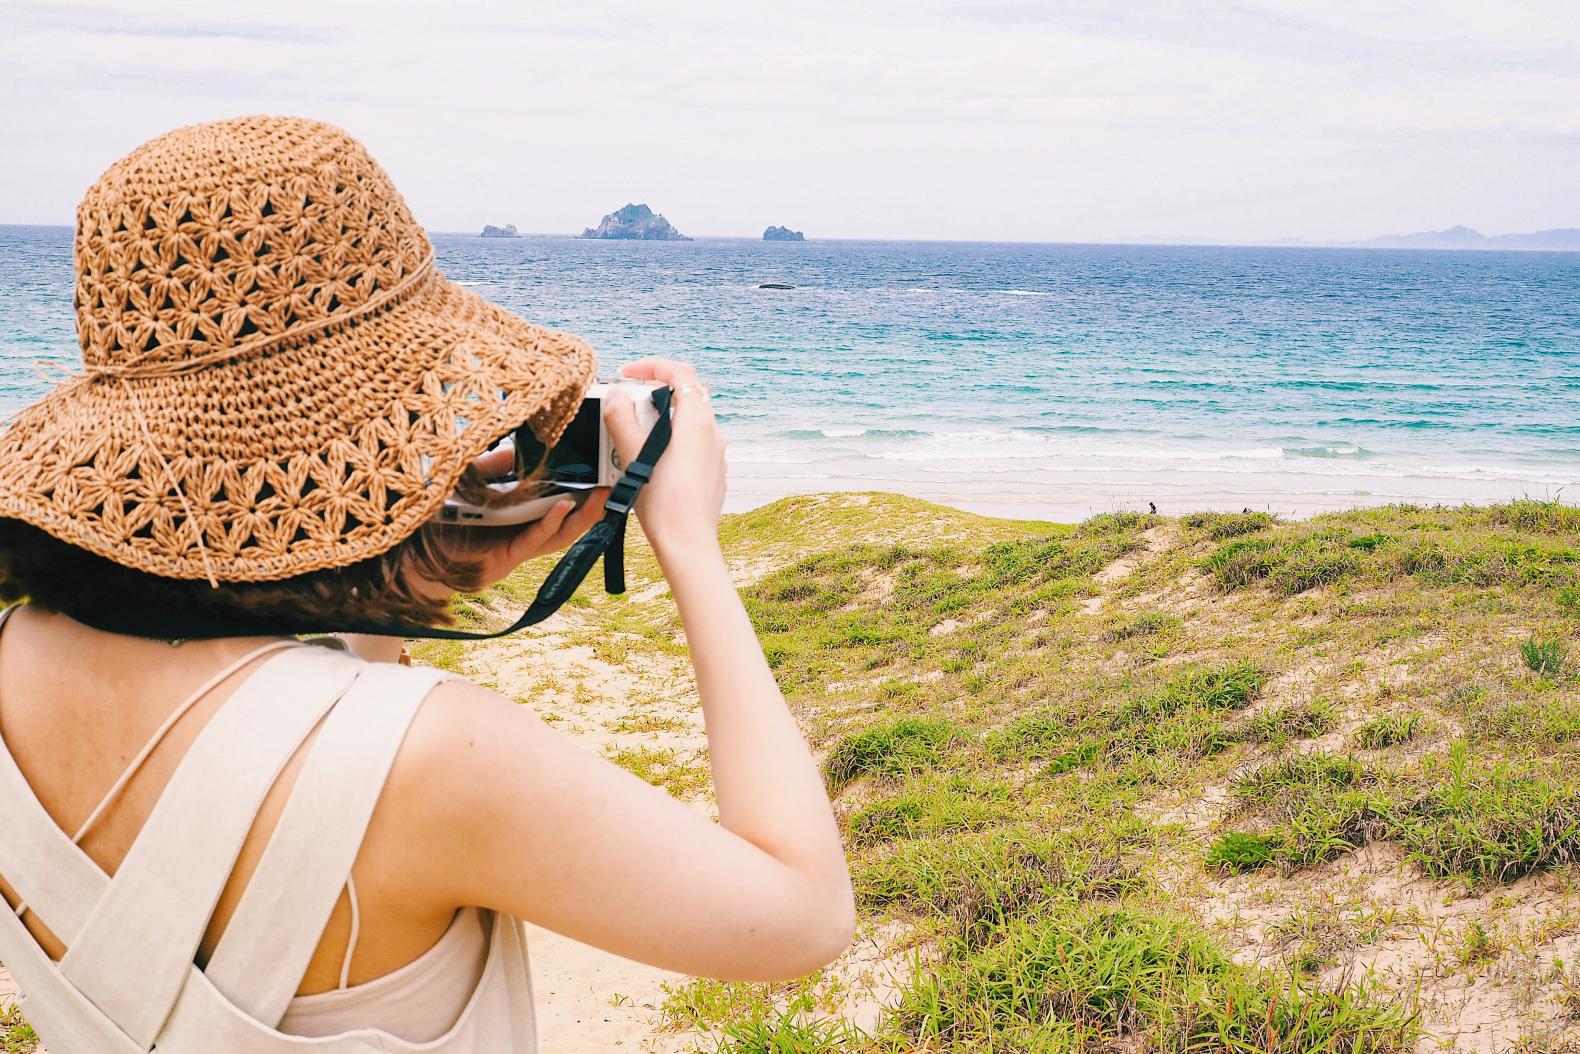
x=131, y=939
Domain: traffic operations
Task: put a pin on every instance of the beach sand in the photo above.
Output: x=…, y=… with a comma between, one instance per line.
x=1070, y=493
x=590, y=1000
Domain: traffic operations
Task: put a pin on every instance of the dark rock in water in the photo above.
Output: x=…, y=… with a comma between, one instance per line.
x=782, y=234
x=775, y=285
x=636, y=222
x=507, y=231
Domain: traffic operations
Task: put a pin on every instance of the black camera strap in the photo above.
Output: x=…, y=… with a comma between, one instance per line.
x=606, y=538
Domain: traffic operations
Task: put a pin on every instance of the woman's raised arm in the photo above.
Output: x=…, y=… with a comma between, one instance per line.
x=525, y=821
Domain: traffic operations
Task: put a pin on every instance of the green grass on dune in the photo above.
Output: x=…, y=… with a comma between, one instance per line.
x=1078, y=980
x=877, y=611
x=1009, y=741
x=16, y=1035
x=1527, y=543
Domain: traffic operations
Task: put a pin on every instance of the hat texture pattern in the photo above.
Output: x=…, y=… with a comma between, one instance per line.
x=276, y=379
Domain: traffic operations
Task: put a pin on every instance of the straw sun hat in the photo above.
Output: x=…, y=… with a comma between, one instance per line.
x=276, y=379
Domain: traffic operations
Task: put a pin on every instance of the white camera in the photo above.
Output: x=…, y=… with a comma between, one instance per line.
x=585, y=458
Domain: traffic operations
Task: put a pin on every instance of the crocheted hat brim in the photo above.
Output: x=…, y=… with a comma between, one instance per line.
x=303, y=456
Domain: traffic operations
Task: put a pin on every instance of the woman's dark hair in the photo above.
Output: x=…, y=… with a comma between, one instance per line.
x=56, y=576
x=398, y=585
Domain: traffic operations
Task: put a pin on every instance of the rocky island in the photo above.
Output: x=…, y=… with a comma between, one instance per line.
x=636, y=222
x=507, y=231
x=782, y=234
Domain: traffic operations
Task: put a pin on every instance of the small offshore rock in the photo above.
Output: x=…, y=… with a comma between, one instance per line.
x=782, y=234
x=775, y=285
x=507, y=231
x=637, y=222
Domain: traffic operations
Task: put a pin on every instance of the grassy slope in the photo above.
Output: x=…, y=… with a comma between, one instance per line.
x=1059, y=753
x=1215, y=783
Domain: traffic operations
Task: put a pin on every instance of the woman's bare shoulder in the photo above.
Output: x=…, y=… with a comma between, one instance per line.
x=441, y=778
x=457, y=711
x=455, y=742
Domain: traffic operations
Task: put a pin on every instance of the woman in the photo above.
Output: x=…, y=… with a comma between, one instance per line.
x=234, y=842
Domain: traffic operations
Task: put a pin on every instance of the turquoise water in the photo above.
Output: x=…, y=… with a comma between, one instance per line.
x=1055, y=379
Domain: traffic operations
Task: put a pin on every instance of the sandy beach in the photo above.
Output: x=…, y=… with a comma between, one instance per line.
x=1067, y=492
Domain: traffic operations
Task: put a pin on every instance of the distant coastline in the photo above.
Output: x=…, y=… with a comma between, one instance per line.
x=1467, y=239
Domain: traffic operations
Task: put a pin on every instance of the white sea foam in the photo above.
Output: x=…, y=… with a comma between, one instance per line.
x=779, y=475
x=1333, y=450
x=1000, y=452
x=761, y=454
x=1019, y=445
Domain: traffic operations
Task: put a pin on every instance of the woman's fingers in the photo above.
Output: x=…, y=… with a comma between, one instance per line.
x=619, y=416
x=693, y=409
x=641, y=369
x=687, y=488
x=562, y=526
x=535, y=537
x=495, y=463
x=665, y=371
x=581, y=521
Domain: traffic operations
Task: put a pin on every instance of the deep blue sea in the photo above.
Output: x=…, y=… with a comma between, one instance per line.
x=1053, y=380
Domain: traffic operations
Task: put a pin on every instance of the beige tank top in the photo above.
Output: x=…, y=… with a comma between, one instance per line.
x=128, y=981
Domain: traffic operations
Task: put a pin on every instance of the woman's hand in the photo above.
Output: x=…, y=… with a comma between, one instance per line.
x=503, y=549
x=500, y=550
x=681, y=503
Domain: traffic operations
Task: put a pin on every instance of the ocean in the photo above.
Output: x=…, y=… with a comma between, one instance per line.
x=1052, y=381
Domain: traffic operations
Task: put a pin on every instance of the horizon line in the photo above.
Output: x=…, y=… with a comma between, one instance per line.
x=1296, y=243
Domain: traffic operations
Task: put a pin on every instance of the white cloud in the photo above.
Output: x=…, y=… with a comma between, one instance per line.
x=1024, y=119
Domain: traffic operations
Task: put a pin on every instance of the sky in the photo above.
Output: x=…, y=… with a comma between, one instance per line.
x=1007, y=120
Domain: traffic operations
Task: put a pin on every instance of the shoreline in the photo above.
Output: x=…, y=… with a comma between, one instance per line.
x=1073, y=495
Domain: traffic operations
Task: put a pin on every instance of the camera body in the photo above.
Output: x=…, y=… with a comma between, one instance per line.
x=584, y=458
x=585, y=455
